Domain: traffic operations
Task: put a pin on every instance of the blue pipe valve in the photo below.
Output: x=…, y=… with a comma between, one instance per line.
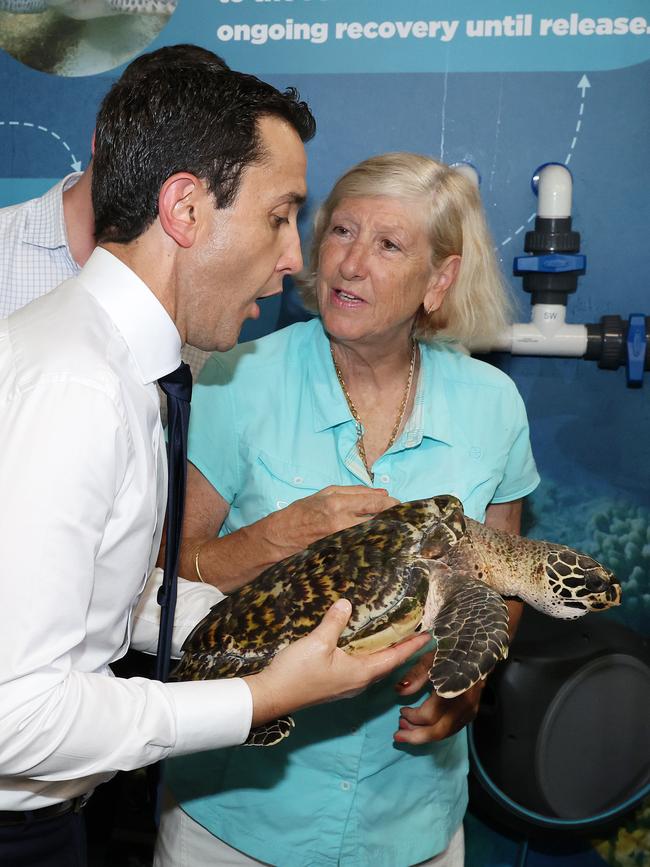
x=636, y=345
x=551, y=263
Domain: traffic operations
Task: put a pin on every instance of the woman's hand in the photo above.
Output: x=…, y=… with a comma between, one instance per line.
x=230, y=561
x=436, y=718
x=335, y=508
x=313, y=669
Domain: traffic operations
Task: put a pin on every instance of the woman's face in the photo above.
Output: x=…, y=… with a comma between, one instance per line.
x=375, y=270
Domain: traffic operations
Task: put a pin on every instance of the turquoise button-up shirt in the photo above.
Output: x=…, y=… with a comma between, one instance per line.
x=270, y=425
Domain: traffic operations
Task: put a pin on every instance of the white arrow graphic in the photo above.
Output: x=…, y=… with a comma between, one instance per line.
x=583, y=85
x=74, y=162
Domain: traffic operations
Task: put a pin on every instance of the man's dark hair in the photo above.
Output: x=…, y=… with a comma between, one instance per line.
x=164, y=118
x=183, y=54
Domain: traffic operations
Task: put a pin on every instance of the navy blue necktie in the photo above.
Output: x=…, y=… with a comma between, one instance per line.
x=177, y=385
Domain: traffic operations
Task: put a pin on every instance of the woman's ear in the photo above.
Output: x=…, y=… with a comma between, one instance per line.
x=177, y=207
x=442, y=280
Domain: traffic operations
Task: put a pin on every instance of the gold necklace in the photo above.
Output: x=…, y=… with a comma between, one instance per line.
x=355, y=415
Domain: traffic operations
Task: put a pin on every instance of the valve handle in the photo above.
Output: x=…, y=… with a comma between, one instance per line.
x=636, y=345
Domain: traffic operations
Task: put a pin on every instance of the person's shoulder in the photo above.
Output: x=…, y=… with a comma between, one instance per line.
x=14, y=216
x=19, y=210
x=63, y=335
x=455, y=364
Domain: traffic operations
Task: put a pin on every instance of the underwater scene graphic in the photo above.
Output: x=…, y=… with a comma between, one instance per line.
x=612, y=530
x=80, y=37
x=630, y=846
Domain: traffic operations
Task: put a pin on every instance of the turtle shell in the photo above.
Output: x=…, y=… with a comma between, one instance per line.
x=376, y=565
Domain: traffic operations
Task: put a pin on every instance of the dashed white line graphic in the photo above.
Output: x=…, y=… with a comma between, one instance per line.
x=583, y=86
x=75, y=164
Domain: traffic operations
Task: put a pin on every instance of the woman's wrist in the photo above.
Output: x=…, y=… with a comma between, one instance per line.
x=273, y=535
x=248, y=549
x=195, y=560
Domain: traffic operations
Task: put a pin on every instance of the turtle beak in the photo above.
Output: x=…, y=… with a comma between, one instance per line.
x=605, y=584
x=614, y=592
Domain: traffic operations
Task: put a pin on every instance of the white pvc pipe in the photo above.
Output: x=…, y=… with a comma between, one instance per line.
x=546, y=334
x=554, y=192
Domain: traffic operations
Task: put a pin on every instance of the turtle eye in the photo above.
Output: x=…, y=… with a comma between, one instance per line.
x=596, y=584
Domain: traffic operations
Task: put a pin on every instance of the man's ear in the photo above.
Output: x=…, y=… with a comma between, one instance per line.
x=177, y=207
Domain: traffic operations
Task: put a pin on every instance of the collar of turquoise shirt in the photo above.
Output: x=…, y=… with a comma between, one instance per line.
x=431, y=412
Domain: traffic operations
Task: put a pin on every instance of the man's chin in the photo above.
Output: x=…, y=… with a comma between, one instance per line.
x=220, y=342
x=226, y=336
x=224, y=344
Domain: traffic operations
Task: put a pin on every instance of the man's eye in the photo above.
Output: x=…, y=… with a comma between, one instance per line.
x=279, y=220
x=339, y=230
x=387, y=244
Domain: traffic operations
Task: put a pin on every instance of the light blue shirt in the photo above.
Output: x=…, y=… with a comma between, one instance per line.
x=270, y=425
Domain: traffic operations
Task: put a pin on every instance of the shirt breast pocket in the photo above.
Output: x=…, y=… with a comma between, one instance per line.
x=282, y=483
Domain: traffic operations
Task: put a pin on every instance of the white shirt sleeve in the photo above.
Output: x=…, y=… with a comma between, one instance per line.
x=193, y=602
x=64, y=453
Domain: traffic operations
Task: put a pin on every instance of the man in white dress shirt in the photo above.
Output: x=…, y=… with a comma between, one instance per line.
x=197, y=180
x=46, y=240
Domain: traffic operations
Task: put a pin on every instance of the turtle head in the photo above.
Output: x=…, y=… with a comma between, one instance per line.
x=579, y=584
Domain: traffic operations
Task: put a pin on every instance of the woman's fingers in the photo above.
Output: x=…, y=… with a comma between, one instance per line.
x=416, y=677
x=438, y=718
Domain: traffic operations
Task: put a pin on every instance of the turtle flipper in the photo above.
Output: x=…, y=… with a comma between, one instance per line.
x=471, y=631
x=270, y=734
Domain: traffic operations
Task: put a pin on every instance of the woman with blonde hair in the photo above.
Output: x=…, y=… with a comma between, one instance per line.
x=315, y=428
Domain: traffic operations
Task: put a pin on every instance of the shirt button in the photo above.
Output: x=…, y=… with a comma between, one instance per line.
x=345, y=786
x=298, y=480
x=384, y=478
x=281, y=504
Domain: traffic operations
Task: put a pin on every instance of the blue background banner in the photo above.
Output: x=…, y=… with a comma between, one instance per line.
x=574, y=90
x=267, y=36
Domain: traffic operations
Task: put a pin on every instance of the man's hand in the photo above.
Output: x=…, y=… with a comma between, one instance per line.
x=334, y=508
x=436, y=718
x=313, y=669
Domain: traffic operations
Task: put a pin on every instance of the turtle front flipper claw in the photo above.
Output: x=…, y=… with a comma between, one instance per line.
x=471, y=632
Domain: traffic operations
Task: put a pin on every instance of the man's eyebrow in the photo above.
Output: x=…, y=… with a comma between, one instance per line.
x=292, y=199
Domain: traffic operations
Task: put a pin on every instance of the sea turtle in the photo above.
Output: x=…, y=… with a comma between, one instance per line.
x=421, y=565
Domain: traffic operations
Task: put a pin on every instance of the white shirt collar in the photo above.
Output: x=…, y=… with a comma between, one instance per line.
x=147, y=328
